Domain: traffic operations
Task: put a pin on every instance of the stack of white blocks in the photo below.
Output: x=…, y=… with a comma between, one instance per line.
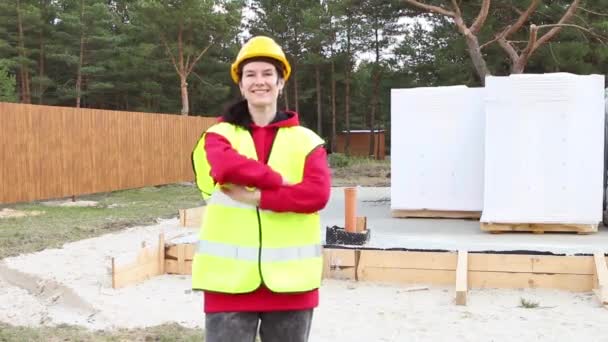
x=524, y=149
x=544, y=149
x=437, y=148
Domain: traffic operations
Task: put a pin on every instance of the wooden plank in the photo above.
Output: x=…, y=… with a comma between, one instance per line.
x=182, y=217
x=153, y=151
x=480, y=280
x=191, y=217
x=339, y=263
x=113, y=273
x=161, y=253
x=461, y=278
x=136, y=275
x=123, y=276
x=181, y=259
x=525, y=263
x=172, y=267
x=573, y=273
x=171, y=252
x=407, y=276
x=427, y=213
x=539, y=227
x=522, y=263
x=404, y=259
x=479, y=262
x=602, y=277
x=147, y=263
x=503, y=280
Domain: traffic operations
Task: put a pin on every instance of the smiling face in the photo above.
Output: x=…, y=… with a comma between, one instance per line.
x=260, y=83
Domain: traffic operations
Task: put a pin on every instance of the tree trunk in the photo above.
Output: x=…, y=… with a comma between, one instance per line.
x=181, y=70
x=347, y=93
x=41, y=88
x=333, y=106
x=24, y=73
x=79, y=73
x=376, y=84
x=318, y=86
x=81, y=57
x=469, y=33
x=295, y=92
x=519, y=66
x=476, y=57
x=184, y=93
x=286, y=97
x=372, y=115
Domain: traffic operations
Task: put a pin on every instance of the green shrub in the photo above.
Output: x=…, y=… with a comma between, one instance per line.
x=339, y=160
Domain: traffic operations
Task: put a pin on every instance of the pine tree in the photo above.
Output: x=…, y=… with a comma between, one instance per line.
x=7, y=84
x=189, y=30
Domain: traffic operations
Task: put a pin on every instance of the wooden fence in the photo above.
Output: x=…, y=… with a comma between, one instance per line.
x=53, y=152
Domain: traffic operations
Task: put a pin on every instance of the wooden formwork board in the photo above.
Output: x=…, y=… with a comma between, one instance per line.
x=148, y=262
x=191, y=217
x=178, y=258
x=461, y=269
x=426, y=213
x=539, y=228
x=473, y=270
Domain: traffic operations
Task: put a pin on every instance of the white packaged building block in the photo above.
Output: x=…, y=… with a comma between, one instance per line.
x=544, y=149
x=437, y=137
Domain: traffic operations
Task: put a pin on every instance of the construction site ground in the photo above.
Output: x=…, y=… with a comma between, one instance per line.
x=66, y=291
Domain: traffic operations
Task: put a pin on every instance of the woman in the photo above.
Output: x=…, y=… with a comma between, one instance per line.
x=265, y=177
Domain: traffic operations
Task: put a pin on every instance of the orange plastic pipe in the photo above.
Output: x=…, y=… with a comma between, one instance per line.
x=350, y=209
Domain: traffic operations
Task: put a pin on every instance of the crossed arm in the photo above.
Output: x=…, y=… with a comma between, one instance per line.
x=272, y=193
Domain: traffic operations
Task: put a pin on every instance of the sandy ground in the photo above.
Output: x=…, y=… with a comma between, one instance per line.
x=70, y=203
x=72, y=285
x=10, y=213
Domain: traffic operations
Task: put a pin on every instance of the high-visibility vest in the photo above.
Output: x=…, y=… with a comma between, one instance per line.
x=242, y=246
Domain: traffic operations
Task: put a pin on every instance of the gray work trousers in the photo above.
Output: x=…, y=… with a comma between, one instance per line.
x=277, y=326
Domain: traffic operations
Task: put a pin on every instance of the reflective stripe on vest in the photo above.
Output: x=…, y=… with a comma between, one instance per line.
x=222, y=250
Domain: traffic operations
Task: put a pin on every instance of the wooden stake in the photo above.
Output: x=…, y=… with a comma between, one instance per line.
x=361, y=224
x=181, y=259
x=161, y=253
x=602, y=277
x=182, y=217
x=461, y=278
x=113, y=274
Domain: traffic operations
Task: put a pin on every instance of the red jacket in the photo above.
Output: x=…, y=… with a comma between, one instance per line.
x=311, y=195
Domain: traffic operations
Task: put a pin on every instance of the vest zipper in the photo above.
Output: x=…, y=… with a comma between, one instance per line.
x=257, y=210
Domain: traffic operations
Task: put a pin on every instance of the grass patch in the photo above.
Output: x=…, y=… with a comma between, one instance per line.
x=353, y=171
x=161, y=333
x=527, y=304
x=114, y=211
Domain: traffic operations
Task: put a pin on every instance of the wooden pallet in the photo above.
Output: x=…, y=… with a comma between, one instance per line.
x=426, y=213
x=539, y=228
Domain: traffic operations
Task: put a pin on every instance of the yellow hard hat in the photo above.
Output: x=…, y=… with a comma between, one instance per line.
x=260, y=46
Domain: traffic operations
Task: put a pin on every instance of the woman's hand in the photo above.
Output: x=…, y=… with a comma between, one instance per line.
x=241, y=194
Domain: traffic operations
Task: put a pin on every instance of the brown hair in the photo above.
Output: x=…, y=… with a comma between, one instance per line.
x=277, y=65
